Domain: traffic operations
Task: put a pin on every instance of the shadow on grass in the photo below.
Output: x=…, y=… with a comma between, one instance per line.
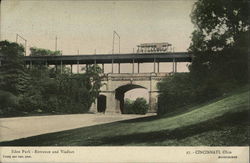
x=142, y=119
x=227, y=120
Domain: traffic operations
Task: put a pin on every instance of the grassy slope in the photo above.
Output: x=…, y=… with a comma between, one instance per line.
x=223, y=122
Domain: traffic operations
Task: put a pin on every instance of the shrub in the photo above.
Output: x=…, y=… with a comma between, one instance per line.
x=176, y=91
x=128, y=106
x=139, y=106
x=181, y=90
x=8, y=103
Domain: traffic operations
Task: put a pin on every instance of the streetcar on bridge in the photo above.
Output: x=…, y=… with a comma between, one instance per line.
x=154, y=47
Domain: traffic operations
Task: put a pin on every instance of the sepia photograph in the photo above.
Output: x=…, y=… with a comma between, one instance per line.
x=139, y=76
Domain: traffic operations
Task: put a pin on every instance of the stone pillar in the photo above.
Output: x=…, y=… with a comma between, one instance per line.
x=133, y=66
x=175, y=66
x=154, y=63
x=117, y=106
x=153, y=101
x=77, y=66
x=113, y=105
x=112, y=66
x=158, y=67
x=119, y=68
x=103, y=67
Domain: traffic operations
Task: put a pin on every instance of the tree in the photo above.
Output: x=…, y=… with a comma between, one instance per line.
x=43, y=52
x=93, y=81
x=75, y=92
x=13, y=75
x=40, y=88
x=220, y=55
x=41, y=65
x=220, y=23
x=220, y=42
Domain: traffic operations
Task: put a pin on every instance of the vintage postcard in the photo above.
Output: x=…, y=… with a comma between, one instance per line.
x=124, y=81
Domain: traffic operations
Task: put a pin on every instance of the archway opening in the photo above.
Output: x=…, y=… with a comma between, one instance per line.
x=101, y=103
x=137, y=93
x=130, y=92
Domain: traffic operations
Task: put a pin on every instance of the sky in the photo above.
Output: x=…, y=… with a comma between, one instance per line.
x=87, y=26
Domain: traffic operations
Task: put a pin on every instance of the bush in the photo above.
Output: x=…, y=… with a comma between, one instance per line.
x=181, y=90
x=128, y=106
x=139, y=106
x=26, y=104
x=176, y=91
x=8, y=103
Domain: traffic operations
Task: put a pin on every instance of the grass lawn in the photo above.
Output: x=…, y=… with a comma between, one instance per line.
x=221, y=122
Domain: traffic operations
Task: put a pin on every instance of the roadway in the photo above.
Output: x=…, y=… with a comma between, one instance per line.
x=21, y=127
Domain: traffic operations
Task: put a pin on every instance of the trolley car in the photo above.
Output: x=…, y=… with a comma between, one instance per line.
x=154, y=47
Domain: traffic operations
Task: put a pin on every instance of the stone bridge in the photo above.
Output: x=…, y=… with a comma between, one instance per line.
x=111, y=98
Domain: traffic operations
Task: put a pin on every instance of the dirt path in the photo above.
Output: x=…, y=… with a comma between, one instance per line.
x=21, y=127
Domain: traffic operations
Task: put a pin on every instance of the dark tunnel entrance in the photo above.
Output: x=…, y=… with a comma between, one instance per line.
x=101, y=103
x=120, y=93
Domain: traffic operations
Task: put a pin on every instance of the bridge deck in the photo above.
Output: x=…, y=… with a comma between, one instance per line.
x=107, y=58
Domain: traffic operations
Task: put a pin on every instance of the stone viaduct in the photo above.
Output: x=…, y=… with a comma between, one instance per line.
x=115, y=86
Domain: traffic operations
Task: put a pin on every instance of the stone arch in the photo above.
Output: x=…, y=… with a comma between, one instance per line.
x=120, y=92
